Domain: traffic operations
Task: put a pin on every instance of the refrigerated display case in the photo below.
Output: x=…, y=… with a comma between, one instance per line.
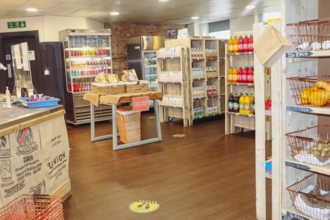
x=85, y=54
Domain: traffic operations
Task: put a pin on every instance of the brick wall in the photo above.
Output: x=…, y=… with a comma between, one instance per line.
x=121, y=31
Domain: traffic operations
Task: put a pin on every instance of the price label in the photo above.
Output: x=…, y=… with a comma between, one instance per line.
x=295, y=216
x=298, y=109
x=299, y=54
x=298, y=166
x=141, y=104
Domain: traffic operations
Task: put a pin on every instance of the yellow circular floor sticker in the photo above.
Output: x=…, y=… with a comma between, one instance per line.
x=144, y=206
x=179, y=135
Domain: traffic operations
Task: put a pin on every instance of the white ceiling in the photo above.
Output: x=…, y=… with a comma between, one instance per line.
x=139, y=11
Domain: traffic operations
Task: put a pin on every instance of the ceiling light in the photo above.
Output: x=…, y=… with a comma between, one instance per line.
x=114, y=13
x=32, y=9
x=163, y=0
x=195, y=18
x=250, y=6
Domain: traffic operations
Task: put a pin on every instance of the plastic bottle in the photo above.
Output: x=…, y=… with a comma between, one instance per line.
x=240, y=74
x=250, y=75
x=8, y=98
x=230, y=74
x=252, y=103
x=240, y=44
x=235, y=75
x=246, y=44
x=250, y=47
x=247, y=104
x=235, y=45
x=230, y=103
x=242, y=104
x=236, y=103
x=230, y=45
x=245, y=73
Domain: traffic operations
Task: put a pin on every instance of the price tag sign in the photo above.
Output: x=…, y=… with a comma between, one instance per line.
x=141, y=104
x=295, y=216
x=298, y=166
x=299, y=54
x=298, y=109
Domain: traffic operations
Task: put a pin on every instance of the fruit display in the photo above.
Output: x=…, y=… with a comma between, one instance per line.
x=320, y=150
x=317, y=95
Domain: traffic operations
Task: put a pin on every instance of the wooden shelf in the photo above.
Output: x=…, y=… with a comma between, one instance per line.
x=199, y=79
x=307, y=109
x=171, y=82
x=200, y=98
x=88, y=66
x=242, y=115
x=212, y=96
x=210, y=59
x=239, y=54
x=171, y=58
x=197, y=59
x=86, y=57
x=212, y=78
x=268, y=176
x=171, y=106
x=308, y=167
x=241, y=84
x=206, y=116
x=81, y=77
x=246, y=127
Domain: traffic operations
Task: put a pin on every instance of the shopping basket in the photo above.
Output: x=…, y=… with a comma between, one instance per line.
x=30, y=207
x=129, y=124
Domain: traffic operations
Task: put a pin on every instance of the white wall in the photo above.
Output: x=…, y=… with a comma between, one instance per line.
x=49, y=26
x=241, y=24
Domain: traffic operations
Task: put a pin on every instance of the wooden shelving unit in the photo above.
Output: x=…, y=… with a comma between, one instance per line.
x=203, y=62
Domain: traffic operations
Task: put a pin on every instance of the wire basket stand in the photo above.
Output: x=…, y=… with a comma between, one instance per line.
x=311, y=35
x=33, y=207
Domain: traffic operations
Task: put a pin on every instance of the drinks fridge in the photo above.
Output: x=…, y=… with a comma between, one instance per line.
x=85, y=53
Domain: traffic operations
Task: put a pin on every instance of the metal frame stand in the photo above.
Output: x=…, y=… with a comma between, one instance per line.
x=114, y=129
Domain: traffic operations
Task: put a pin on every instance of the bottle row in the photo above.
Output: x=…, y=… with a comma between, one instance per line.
x=197, y=52
x=198, y=73
x=89, y=41
x=171, y=52
x=80, y=87
x=170, y=76
x=171, y=100
x=240, y=45
x=89, y=62
x=241, y=75
x=199, y=112
x=87, y=72
x=198, y=92
x=241, y=104
x=211, y=90
x=86, y=52
x=211, y=54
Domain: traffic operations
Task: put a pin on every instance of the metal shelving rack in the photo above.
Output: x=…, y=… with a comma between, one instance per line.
x=85, y=53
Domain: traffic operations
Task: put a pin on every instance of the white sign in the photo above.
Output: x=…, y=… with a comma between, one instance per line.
x=8, y=57
x=31, y=55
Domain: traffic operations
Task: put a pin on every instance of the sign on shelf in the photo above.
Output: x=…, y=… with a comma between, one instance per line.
x=141, y=104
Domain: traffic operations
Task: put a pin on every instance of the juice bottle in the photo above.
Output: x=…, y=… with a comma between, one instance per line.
x=239, y=75
x=246, y=44
x=235, y=75
x=230, y=74
x=236, y=103
x=230, y=104
x=242, y=104
x=247, y=104
x=250, y=75
x=230, y=45
x=250, y=43
x=252, y=103
x=245, y=73
x=235, y=45
x=240, y=44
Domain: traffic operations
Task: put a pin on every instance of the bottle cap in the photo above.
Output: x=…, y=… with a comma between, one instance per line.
x=231, y=36
x=240, y=66
x=235, y=66
x=251, y=34
x=246, y=35
x=235, y=37
x=231, y=66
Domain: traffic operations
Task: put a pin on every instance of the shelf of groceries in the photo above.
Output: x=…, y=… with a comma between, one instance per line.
x=241, y=105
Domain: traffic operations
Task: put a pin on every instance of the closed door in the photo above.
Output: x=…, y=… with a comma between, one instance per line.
x=7, y=78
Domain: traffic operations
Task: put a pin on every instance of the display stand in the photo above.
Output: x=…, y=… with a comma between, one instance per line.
x=217, y=101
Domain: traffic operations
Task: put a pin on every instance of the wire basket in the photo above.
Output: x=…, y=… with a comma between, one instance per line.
x=310, y=196
x=311, y=35
x=33, y=207
x=311, y=145
x=311, y=91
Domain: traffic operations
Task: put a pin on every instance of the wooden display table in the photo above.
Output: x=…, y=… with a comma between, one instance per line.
x=114, y=100
x=34, y=153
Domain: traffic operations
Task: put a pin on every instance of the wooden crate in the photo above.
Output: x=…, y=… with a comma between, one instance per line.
x=108, y=89
x=134, y=88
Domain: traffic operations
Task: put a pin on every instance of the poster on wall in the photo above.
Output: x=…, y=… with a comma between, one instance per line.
x=171, y=33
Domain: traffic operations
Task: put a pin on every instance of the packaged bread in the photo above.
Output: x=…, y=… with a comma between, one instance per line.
x=129, y=76
x=101, y=79
x=112, y=78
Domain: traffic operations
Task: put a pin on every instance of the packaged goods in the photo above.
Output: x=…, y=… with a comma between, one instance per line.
x=129, y=76
x=112, y=78
x=230, y=45
x=230, y=74
x=236, y=103
x=165, y=100
x=235, y=75
x=209, y=111
x=240, y=74
x=240, y=44
x=250, y=75
x=246, y=44
x=235, y=44
x=251, y=43
x=241, y=104
x=215, y=110
x=247, y=104
x=245, y=73
x=230, y=103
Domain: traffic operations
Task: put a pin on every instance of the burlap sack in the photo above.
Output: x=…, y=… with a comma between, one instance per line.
x=270, y=46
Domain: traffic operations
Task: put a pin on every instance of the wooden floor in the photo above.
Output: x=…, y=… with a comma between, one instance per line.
x=205, y=175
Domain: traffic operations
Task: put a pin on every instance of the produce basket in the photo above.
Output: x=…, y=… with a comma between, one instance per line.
x=108, y=89
x=28, y=207
x=133, y=87
x=129, y=124
x=311, y=145
x=311, y=91
x=310, y=196
x=311, y=35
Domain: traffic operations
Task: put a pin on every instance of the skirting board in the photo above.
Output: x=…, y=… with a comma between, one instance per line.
x=64, y=191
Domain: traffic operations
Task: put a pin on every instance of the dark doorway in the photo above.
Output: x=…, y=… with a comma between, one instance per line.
x=12, y=38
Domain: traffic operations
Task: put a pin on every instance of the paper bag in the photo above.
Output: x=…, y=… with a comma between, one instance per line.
x=270, y=46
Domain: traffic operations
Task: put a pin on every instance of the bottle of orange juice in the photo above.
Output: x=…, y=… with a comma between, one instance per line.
x=235, y=75
x=251, y=100
x=247, y=104
x=242, y=104
x=235, y=45
x=230, y=74
x=230, y=45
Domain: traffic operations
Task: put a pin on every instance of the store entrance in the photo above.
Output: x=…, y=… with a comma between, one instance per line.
x=6, y=41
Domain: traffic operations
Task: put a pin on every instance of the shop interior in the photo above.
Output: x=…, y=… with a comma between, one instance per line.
x=164, y=109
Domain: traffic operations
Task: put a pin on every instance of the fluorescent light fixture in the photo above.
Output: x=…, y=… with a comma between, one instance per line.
x=250, y=7
x=32, y=9
x=195, y=18
x=163, y=0
x=114, y=13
